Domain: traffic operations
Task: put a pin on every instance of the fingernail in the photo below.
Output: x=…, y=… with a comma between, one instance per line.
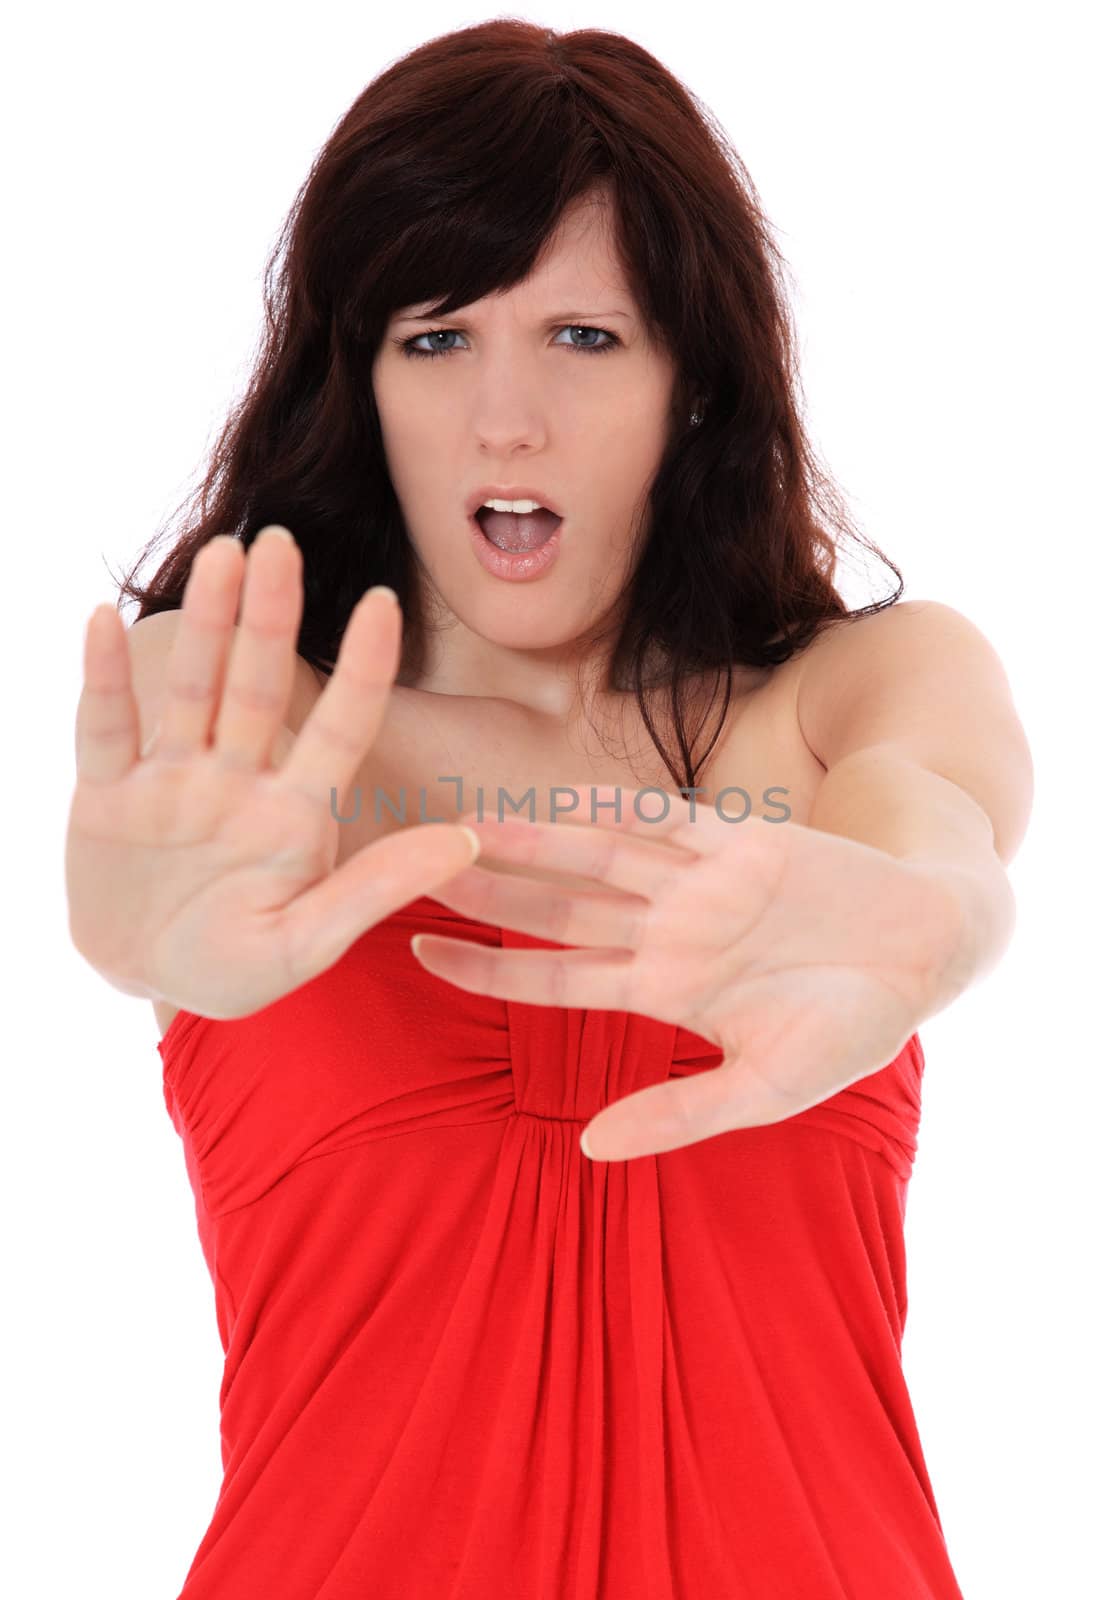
x=283, y=533
x=475, y=838
x=383, y=588
x=584, y=1144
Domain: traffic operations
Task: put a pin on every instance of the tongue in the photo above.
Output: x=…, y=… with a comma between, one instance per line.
x=513, y=532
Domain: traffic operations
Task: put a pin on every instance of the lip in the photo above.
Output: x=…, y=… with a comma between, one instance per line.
x=515, y=566
x=516, y=491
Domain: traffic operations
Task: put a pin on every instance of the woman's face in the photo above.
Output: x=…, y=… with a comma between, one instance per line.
x=522, y=395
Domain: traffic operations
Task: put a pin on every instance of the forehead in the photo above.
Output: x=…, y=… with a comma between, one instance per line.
x=578, y=270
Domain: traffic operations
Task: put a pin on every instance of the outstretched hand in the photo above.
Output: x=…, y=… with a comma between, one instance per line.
x=807, y=958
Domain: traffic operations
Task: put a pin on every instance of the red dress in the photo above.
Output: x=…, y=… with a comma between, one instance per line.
x=464, y=1362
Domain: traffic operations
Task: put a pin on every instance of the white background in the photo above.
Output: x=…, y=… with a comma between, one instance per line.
x=939, y=180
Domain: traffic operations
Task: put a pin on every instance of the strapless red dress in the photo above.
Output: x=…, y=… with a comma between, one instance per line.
x=464, y=1362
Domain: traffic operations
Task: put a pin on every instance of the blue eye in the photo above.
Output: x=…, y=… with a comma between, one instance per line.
x=409, y=346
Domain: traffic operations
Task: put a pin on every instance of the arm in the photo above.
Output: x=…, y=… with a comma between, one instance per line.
x=807, y=958
x=911, y=712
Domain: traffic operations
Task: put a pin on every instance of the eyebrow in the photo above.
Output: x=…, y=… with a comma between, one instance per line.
x=554, y=316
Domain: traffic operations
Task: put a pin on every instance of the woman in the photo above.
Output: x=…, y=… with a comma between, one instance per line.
x=553, y=1205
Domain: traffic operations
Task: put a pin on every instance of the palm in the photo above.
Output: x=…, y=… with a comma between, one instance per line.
x=194, y=872
x=807, y=958
x=196, y=856
x=794, y=977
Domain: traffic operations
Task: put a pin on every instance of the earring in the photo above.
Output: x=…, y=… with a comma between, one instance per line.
x=694, y=418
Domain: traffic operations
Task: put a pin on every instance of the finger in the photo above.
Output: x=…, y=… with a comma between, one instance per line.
x=107, y=727
x=260, y=674
x=666, y=1116
x=198, y=655
x=347, y=715
x=608, y=857
x=574, y=917
x=324, y=921
x=742, y=1092
x=573, y=979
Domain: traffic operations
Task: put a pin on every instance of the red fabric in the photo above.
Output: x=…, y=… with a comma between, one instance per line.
x=463, y=1362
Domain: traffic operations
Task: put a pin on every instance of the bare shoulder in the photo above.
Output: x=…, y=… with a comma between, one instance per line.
x=921, y=679
x=793, y=720
x=309, y=685
x=877, y=632
x=768, y=694
x=761, y=750
x=150, y=641
x=889, y=666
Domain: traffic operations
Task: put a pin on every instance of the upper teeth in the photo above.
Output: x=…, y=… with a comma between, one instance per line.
x=519, y=506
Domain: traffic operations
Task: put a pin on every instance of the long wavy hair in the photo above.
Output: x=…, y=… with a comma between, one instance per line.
x=447, y=177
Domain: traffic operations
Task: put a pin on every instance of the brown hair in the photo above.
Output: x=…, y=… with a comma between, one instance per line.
x=446, y=177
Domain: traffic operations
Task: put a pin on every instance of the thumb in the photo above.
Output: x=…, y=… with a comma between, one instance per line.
x=325, y=921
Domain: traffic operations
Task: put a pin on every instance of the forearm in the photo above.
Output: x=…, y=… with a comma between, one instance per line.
x=882, y=798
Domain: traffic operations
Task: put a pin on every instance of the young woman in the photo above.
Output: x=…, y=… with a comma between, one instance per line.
x=553, y=1204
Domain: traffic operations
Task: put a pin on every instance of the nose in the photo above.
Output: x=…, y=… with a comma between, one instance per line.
x=509, y=404
x=502, y=425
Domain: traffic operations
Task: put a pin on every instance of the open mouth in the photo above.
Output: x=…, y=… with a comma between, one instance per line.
x=516, y=532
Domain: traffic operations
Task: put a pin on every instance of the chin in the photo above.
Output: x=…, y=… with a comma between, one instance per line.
x=532, y=627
